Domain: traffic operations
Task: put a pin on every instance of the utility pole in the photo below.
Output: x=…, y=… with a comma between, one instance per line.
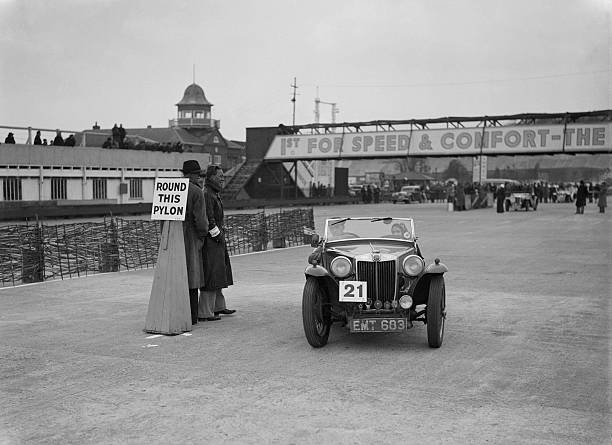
x=294, y=86
x=334, y=109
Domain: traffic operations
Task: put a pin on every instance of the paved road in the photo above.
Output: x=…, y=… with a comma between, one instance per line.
x=525, y=359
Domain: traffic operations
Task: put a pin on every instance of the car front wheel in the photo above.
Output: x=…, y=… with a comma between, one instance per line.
x=316, y=324
x=436, y=312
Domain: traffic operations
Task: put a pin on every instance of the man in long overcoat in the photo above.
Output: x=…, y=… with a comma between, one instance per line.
x=195, y=229
x=500, y=195
x=581, y=197
x=217, y=266
x=602, y=200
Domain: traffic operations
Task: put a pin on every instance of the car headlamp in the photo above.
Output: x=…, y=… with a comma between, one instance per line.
x=405, y=301
x=341, y=266
x=413, y=265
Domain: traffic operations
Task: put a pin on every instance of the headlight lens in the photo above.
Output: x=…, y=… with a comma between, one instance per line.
x=405, y=301
x=413, y=265
x=341, y=266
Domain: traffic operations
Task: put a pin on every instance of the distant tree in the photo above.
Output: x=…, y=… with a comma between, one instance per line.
x=458, y=171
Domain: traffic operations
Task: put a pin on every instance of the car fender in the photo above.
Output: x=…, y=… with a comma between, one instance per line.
x=328, y=283
x=436, y=268
x=316, y=271
x=421, y=289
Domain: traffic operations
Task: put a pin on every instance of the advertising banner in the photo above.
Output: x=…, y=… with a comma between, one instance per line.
x=502, y=140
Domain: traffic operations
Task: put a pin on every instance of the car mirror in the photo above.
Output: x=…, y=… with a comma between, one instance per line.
x=314, y=240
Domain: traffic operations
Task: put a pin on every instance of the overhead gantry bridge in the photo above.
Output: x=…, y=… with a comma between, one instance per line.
x=276, y=156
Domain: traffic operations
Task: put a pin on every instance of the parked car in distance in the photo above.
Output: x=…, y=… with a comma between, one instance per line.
x=407, y=194
x=369, y=275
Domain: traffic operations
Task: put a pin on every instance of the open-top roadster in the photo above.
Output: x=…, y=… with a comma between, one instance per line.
x=369, y=275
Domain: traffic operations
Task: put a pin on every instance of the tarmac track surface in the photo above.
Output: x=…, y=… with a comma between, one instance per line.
x=525, y=358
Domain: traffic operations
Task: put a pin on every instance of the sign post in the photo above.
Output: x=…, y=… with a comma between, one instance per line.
x=169, y=310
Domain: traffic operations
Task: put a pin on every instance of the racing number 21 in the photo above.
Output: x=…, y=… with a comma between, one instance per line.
x=353, y=291
x=350, y=289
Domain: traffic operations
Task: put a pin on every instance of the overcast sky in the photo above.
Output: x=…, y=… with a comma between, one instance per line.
x=69, y=63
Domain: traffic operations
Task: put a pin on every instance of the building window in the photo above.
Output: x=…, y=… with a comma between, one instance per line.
x=12, y=189
x=136, y=188
x=99, y=188
x=59, y=187
x=199, y=115
x=215, y=140
x=217, y=159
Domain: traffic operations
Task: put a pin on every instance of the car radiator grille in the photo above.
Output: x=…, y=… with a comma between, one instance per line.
x=380, y=277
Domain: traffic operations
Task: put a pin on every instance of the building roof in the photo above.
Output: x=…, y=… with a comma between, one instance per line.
x=236, y=144
x=194, y=95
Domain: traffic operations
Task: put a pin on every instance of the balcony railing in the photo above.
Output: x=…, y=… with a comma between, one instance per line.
x=194, y=122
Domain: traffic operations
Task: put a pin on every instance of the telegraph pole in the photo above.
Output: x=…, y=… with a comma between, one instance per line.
x=294, y=86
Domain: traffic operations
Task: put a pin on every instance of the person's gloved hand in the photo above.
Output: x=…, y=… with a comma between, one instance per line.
x=216, y=234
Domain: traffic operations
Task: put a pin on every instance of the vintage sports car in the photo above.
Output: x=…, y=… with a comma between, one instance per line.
x=407, y=194
x=369, y=275
x=521, y=200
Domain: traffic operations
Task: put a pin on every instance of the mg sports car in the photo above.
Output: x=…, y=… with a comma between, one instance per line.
x=368, y=274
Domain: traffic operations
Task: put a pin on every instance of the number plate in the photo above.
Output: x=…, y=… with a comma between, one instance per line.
x=353, y=292
x=378, y=324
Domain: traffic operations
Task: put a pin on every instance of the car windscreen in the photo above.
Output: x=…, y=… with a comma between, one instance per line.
x=348, y=228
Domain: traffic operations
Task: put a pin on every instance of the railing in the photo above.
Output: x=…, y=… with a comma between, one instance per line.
x=39, y=252
x=25, y=135
x=194, y=122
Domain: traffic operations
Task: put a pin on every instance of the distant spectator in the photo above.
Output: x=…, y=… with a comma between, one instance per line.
x=70, y=141
x=602, y=201
x=581, y=197
x=116, y=136
x=9, y=139
x=368, y=194
x=45, y=142
x=37, y=139
x=59, y=140
x=108, y=143
x=121, y=135
x=500, y=195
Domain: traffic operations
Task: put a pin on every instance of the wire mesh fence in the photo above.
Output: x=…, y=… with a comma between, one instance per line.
x=31, y=253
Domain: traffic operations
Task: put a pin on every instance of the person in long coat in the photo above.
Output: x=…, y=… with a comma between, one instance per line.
x=500, y=194
x=217, y=266
x=602, y=201
x=195, y=229
x=581, y=197
x=37, y=139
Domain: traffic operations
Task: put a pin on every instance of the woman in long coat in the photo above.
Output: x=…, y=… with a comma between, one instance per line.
x=195, y=229
x=217, y=266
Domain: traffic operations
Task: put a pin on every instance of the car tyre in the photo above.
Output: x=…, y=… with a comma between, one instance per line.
x=316, y=324
x=436, y=312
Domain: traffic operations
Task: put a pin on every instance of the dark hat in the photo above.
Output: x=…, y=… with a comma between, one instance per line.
x=191, y=166
x=211, y=170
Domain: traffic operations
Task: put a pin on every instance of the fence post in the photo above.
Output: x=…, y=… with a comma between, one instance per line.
x=109, y=251
x=33, y=259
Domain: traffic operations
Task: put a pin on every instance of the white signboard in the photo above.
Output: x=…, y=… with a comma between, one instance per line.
x=353, y=291
x=517, y=139
x=479, y=168
x=169, y=199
